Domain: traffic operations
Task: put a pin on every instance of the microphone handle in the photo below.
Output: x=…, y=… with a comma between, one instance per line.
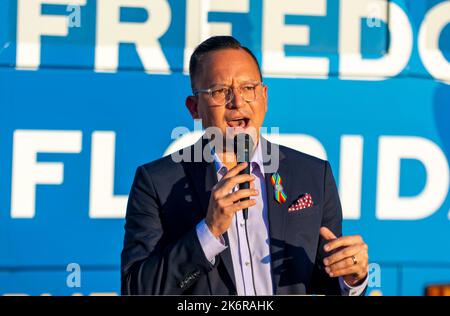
x=245, y=185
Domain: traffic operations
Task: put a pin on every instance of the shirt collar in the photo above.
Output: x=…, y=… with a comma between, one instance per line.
x=256, y=160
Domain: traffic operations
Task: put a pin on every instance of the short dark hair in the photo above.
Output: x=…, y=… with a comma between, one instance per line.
x=215, y=43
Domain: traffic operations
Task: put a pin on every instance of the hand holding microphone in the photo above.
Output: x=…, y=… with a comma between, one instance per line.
x=223, y=203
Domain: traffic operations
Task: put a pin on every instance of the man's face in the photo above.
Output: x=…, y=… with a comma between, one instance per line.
x=233, y=68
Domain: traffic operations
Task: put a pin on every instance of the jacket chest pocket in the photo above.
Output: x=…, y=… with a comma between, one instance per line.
x=303, y=226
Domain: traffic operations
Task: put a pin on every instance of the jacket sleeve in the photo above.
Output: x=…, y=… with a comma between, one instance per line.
x=147, y=267
x=322, y=283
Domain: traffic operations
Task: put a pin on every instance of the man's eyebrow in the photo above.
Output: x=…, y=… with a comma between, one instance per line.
x=247, y=81
x=214, y=84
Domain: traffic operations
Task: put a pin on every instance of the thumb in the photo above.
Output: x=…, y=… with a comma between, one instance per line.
x=326, y=233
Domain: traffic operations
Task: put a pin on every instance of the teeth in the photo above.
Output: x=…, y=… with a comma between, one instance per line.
x=237, y=123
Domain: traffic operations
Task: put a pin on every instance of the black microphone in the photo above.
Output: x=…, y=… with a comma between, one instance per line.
x=243, y=145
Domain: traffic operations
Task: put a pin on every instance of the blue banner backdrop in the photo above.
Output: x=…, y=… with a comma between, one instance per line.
x=84, y=83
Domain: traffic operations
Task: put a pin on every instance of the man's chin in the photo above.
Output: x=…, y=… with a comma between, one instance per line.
x=228, y=134
x=231, y=132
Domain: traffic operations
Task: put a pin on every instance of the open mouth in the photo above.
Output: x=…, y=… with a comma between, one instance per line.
x=240, y=122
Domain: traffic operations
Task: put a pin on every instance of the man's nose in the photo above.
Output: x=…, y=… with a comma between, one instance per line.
x=236, y=99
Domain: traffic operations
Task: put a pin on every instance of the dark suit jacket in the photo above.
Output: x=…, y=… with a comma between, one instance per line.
x=162, y=253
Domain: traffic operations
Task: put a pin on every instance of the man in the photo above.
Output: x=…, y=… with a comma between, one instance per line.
x=185, y=231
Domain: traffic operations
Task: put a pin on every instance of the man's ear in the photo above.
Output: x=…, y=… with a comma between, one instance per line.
x=265, y=95
x=192, y=106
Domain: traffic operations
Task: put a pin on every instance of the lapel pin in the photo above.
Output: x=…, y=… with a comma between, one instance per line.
x=279, y=194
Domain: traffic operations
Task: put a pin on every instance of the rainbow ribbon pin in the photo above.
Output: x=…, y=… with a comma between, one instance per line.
x=279, y=194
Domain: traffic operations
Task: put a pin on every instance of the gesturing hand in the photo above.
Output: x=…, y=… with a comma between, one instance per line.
x=349, y=261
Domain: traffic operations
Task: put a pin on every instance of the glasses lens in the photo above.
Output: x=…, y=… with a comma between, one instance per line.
x=248, y=92
x=221, y=95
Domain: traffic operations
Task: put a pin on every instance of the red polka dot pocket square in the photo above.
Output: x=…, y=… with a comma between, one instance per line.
x=304, y=201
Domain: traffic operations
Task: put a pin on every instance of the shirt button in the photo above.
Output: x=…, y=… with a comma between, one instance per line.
x=247, y=263
x=242, y=224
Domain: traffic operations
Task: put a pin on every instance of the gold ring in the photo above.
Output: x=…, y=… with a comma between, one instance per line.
x=354, y=260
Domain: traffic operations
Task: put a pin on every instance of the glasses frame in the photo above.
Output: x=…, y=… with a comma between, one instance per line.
x=210, y=90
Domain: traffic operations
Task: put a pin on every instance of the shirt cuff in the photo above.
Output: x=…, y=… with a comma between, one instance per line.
x=211, y=245
x=348, y=290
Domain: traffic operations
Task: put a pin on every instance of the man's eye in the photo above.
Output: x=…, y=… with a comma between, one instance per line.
x=248, y=88
x=219, y=92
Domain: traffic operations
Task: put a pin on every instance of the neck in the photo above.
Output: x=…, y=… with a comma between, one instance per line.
x=227, y=158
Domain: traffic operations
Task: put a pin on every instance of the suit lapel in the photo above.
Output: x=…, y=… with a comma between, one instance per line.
x=277, y=214
x=203, y=177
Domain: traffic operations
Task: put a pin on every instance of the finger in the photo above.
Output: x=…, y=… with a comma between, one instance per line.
x=233, y=208
x=345, y=271
x=342, y=242
x=235, y=170
x=361, y=259
x=326, y=233
x=230, y=183
x=342, y=254
x=224, y=186
x=344, y=263
x=356, y=271
x=239, y=194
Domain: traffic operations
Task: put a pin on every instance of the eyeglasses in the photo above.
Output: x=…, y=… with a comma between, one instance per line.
x=222, y=95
